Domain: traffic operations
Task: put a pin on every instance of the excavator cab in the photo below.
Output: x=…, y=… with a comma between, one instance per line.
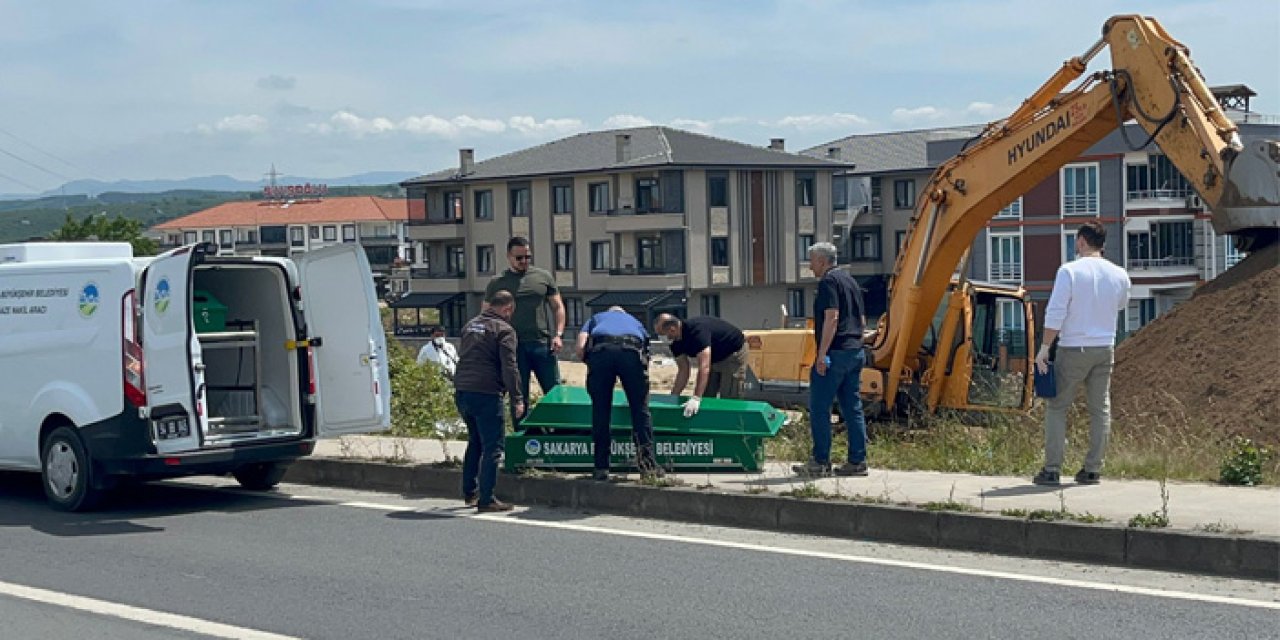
x=1000, y=349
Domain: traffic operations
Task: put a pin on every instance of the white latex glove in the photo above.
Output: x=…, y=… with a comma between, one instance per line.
x=1042, y=359
x=691, y=406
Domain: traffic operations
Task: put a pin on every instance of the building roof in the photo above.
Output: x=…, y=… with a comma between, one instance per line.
x=263, y=212
x=649, y=147
x=422, y=300
x=892, y=151
x=655, y=300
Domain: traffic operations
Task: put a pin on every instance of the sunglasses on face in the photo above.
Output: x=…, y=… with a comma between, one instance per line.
x=523, y=258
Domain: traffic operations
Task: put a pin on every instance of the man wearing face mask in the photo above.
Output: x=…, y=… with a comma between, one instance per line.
x=439, y=351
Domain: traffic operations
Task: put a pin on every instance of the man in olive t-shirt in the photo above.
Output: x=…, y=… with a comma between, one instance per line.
x=534, y=289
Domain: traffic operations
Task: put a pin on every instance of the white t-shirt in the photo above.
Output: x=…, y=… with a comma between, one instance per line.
x=443, y=354
x=1088, y=292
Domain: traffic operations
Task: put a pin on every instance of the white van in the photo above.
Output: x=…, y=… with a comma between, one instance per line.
x=182, y=364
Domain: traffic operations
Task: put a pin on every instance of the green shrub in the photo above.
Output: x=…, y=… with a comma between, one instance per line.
x=421, y=396
x=1243, y=465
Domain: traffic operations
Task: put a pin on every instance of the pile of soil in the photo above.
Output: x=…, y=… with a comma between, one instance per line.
x=1213, y=361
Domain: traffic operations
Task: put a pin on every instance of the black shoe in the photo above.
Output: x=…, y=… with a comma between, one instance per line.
x=812, y=469
x=1047, y=478
x=852, y=469
x=1088, y=477
x=495, y=507
x=471, y=499
x=600, y=474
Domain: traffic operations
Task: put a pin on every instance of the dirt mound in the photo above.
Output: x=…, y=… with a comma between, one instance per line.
x=1213, y=360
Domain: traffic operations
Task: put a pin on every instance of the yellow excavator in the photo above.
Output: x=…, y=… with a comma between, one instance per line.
x=940, y=343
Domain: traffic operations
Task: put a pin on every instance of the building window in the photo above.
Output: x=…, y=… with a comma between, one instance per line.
x=455, y=260
x=601, y=255
x=1146, y=311
x=484, y=258
x=573, y=316
x=804, y=191
x=1006, y=258
x=564, y=256
x=649, y=252
x=840, y=192
x=648, y=195
x=1012, y=323
x=189, y=237
x=904, y=194
x=718, y=191
x=1080, y=190
x=562, y=199
x=297, y=236
x=247, y=236
x=453, y=205
x=1014, y=210
x=521, y=203
x=348, y=233
x=864, y=244
x=711, y=305
x=876, y=206
x=1156, y=180
x=1167, y=244
x=314, y=232
x=598, y=193
x=719, y=252
x=226, y=239
x=330, y=233
x=899, y=241
x=795, y=303
x=803, y=242
x=1230, y=253
x=410, y=253
x=208, y=236
x=1068, y=246
x=484, y=205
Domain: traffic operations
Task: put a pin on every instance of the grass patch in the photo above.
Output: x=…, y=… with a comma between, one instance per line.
x=809, y=491
x=1052, y=515
x=1223, y=528
x=655, y=481
x=948, y=505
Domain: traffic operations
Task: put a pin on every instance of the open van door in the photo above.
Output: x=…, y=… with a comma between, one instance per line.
x=171, y=356
x=353, y=384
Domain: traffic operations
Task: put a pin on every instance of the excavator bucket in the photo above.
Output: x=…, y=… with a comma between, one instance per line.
x=1250, y=205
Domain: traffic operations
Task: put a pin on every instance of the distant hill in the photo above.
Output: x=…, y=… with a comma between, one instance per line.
x=221, y=183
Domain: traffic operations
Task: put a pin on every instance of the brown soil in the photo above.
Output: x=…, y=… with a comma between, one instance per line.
x=1211, y=362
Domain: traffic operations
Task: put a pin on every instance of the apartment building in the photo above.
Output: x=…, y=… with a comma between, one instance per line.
x=289, y=227
x=652, y=218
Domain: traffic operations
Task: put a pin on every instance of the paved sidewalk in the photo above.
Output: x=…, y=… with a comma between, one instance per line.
x=1252, y=509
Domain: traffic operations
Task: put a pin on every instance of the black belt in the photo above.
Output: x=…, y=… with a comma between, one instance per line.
x=625, y=341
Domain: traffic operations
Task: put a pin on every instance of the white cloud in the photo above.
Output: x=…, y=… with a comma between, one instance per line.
x=701, y=126
x=984, y=109
x=239, y=123
x=918, y=114
x=814, y=122
x=626, y=121
x=530, y=125
x=930, y=115
x=347, y=122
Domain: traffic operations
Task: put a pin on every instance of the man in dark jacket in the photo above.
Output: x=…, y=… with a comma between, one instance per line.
x=487, y=368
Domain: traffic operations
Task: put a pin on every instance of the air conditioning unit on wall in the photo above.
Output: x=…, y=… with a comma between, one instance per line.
x=1195, y=203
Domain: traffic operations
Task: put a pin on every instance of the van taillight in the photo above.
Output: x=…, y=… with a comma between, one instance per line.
x=135, y=381
x=311, y=370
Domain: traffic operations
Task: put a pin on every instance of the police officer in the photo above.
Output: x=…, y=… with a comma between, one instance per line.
x=615, y=347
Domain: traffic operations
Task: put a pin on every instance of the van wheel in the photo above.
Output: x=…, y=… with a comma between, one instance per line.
x=261, y=476
x=67, y=472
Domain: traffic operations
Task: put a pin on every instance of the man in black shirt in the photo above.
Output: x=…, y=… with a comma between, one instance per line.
x=720, y=350
x=836, y=375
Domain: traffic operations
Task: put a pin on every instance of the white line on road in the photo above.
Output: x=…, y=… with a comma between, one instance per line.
x=136, y=614
x=906, y=564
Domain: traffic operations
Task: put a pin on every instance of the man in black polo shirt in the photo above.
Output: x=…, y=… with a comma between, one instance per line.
x=720, y=350
x=836, y=375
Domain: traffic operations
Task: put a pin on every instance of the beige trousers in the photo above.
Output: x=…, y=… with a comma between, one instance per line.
x=1072, y=367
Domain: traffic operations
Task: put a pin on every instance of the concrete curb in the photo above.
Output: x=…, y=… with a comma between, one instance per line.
x=1254, y=557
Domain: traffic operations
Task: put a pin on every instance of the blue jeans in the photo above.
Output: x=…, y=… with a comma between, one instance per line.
x=843, y=384
x=485, y=431
x=536, y=358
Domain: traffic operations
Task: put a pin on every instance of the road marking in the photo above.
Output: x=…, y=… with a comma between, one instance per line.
x=905, y=564
x=136, y=614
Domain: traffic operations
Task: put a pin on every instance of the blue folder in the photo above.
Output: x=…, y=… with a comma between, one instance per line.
x=1046, y=385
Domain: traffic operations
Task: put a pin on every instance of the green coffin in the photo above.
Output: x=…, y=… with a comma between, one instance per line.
x=725, y=435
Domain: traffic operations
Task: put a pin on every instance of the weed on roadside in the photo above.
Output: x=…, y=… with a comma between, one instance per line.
x=948, y=505
x=1052, y=515
x=1223, y=528
x=808, y=491
x=1243, y=464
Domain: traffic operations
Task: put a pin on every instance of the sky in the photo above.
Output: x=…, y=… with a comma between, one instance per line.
x=145, y=89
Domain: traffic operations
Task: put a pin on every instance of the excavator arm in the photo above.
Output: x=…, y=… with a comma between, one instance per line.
x=1152, y=81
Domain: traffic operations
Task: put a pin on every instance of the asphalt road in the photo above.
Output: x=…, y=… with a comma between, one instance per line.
x=344, y=564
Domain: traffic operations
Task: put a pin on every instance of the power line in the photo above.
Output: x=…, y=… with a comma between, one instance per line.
x=28, y=162
x=38, y=149
x=17, y=181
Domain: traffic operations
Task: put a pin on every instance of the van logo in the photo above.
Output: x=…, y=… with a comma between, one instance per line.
x=162, y=295
x=89, y=299
x=533, y=447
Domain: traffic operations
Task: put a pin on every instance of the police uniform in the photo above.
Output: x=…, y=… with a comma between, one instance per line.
x=618, y=349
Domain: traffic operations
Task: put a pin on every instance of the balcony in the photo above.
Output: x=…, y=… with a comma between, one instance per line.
x=452, y=229
x=624, y=220
x=1006, y=272
x=379, y=241
x=646, y=277
x=1161, y=263
x=1167, y=195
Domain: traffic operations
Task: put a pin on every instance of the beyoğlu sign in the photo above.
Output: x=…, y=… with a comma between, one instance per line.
x=576, y=452
x=280, y=192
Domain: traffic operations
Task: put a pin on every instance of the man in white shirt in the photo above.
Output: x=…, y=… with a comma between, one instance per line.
x=1088, y=292
x=439, y=351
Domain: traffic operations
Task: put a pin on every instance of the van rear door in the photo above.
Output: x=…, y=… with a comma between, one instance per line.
x=171, y=356
x=353, y=386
